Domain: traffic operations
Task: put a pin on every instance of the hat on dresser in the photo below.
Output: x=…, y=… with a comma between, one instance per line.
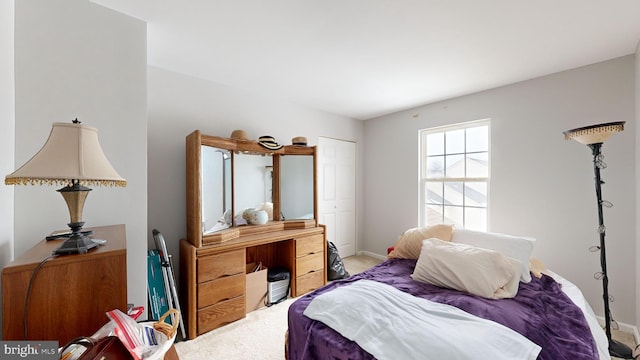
x=299, y=140
x=239, y=135
x=269, y=142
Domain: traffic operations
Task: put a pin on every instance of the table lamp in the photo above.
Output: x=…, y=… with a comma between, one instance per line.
x=593, y=136
x=72, y=157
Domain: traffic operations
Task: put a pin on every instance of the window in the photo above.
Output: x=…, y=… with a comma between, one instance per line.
x=454, y=180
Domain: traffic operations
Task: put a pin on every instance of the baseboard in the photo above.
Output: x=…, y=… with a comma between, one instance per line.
x=624, y=327
x=373, y=255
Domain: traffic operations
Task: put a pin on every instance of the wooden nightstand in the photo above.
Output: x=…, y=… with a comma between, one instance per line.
x=70, y=294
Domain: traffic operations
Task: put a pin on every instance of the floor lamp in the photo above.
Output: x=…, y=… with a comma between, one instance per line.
x=593, y=136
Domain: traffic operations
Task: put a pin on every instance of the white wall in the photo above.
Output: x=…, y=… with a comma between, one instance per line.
x=541, y=185
x=7, y=126
x=179, y=104
x=637, y=273
x=77, y=59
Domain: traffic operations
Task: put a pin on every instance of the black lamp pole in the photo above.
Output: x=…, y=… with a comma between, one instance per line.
x=616, y=348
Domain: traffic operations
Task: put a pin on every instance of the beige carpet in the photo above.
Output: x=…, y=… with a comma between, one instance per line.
x=260, y=335
x=359, y=263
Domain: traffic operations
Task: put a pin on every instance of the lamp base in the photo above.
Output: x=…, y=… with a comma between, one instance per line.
x=77, y=243
x=620, y=350
x=66, y=235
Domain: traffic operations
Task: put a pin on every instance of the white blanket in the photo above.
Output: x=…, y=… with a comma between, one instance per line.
x=391, y=324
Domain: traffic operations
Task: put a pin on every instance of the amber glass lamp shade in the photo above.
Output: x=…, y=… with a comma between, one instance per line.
x=594, y=134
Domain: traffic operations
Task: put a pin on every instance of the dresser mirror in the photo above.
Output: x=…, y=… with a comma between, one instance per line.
x=216, y=189
x=296, y=187
x=253, y=182
x=226, y=176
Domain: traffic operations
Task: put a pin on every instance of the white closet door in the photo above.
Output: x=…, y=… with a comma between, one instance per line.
x=336, y=193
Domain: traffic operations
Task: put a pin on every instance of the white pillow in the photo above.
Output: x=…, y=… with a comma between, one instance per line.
x=462, y=267
x=519, y=248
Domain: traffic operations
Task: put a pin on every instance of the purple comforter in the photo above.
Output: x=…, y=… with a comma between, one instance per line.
x=540, y=311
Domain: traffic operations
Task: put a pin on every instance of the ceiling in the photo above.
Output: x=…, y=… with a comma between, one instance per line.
x=367, y=58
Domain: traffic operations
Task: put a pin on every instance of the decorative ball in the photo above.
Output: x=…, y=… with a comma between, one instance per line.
x=268, y=207
x=246, y=214
x=259, y=217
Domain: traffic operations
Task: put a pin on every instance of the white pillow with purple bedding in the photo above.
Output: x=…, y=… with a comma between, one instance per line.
x=462, y=267
x=516, y=247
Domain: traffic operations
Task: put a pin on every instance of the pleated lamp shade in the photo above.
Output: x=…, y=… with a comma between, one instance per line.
x=72, y=153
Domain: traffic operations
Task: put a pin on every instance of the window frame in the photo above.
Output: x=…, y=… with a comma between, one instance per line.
x=422, y=168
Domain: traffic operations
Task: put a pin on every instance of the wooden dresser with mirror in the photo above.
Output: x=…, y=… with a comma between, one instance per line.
x=225, y=177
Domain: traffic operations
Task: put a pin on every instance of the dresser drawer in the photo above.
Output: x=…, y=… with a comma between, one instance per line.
x=309, y=264
x=220, y=314
x=212, y=267
x=308, y=282
x=215, y=291
x=309, y=245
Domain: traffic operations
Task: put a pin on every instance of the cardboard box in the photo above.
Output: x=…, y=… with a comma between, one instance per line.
x=256, y=291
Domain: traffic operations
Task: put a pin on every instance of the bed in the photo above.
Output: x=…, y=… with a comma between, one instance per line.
x=548, y=311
